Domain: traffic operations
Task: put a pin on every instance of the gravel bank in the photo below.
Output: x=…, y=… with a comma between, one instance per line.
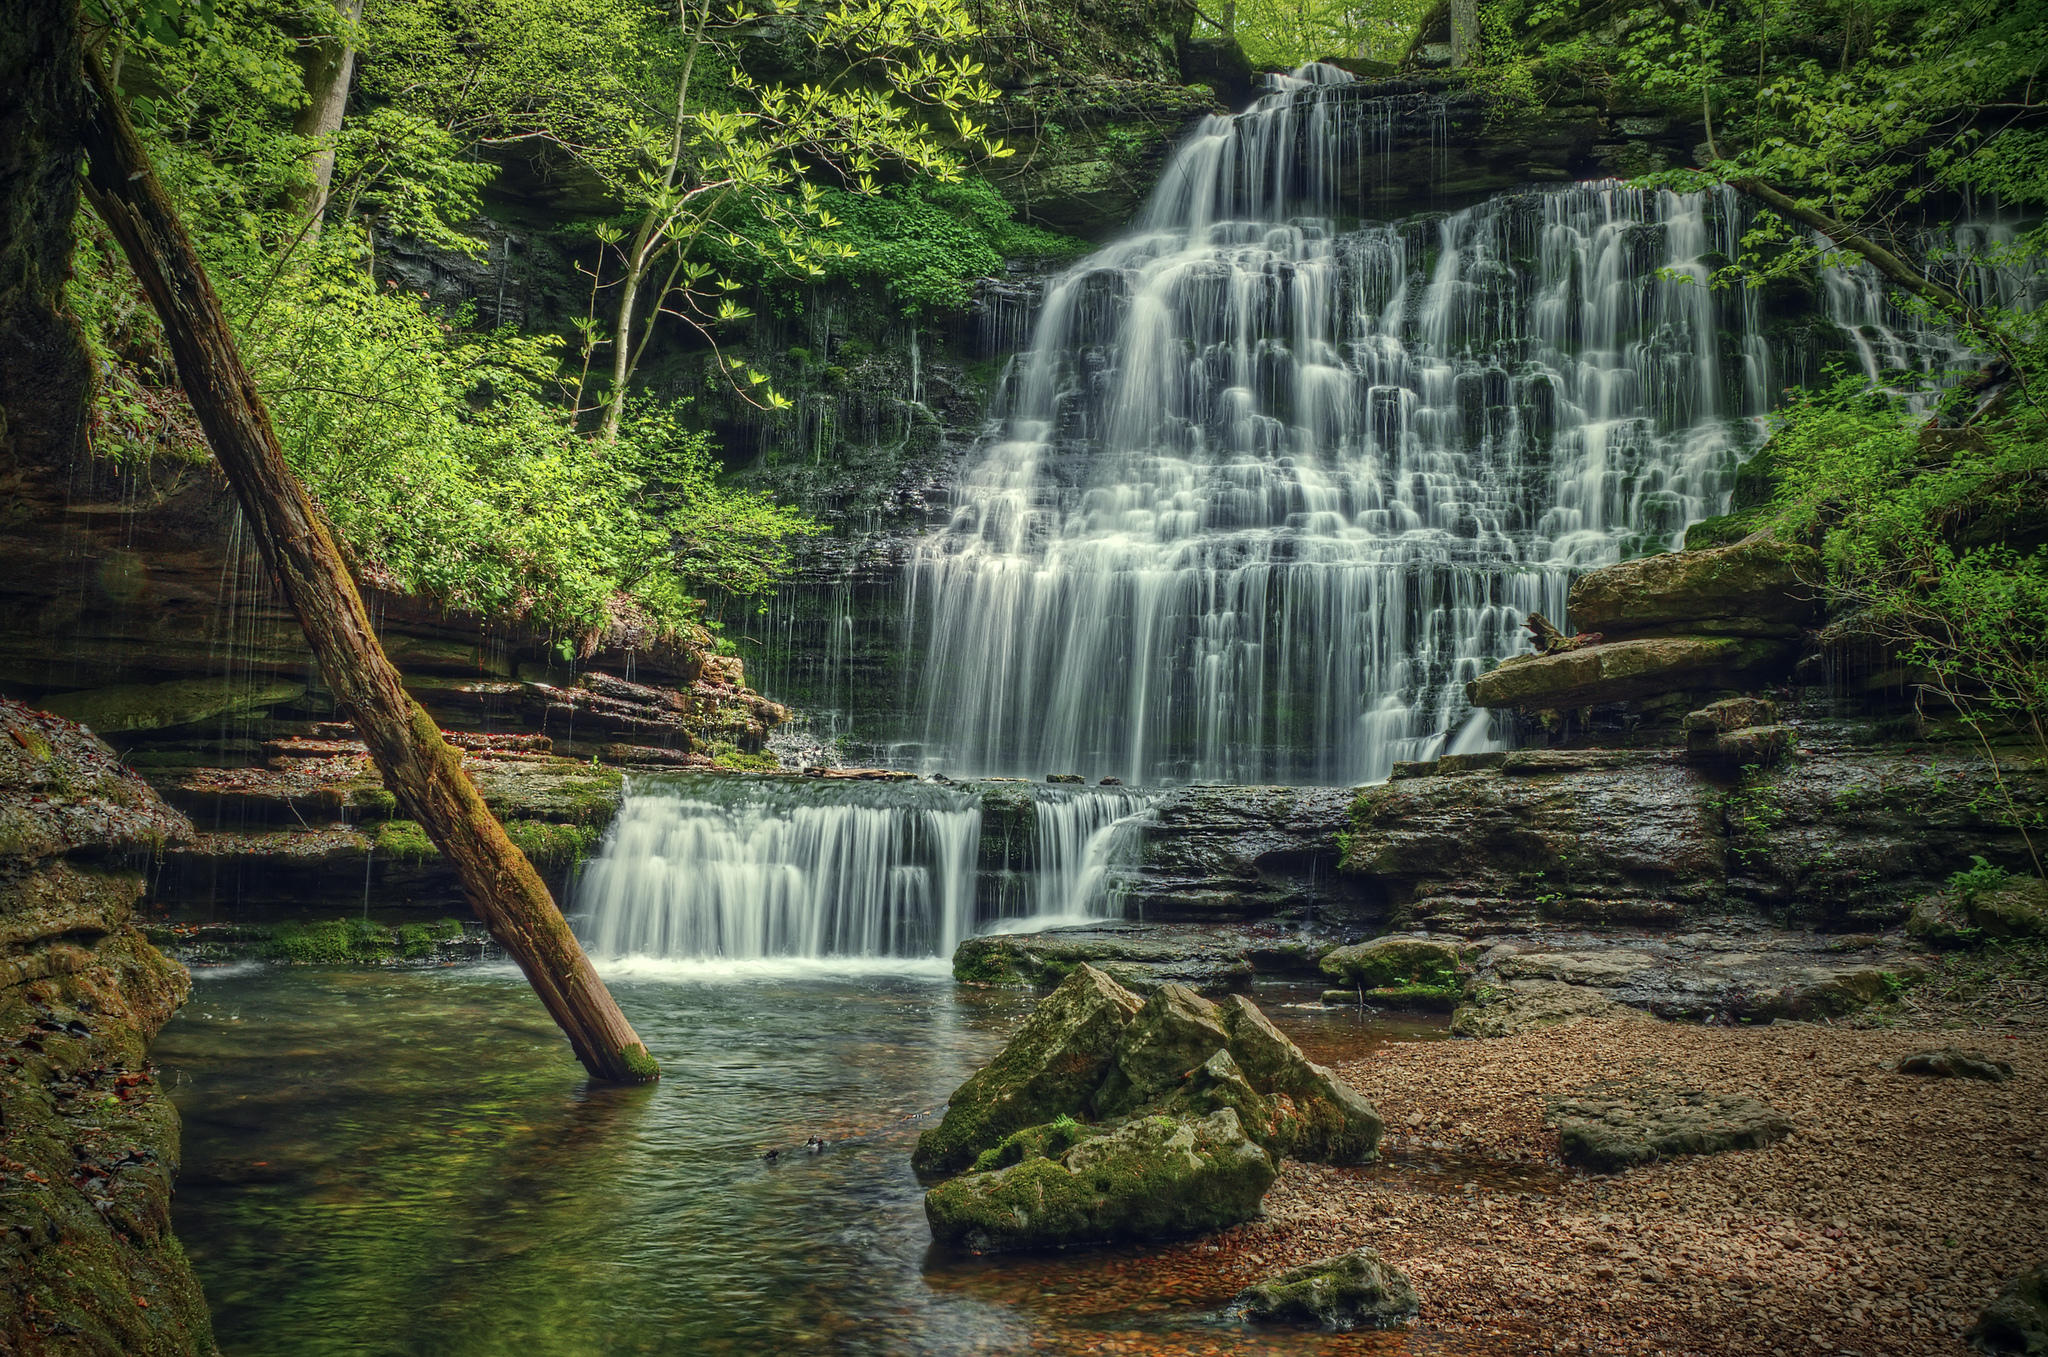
x=1898, y=1207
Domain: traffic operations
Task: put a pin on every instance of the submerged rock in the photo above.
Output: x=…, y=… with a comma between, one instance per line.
x=1948, y=1062
x=1608, y=1132
x=2017, y=1321
x=1154, y=1177
x=1355, y=1290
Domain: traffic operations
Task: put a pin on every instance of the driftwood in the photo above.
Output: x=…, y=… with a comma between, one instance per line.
x=417, y=763
x=1551, y=641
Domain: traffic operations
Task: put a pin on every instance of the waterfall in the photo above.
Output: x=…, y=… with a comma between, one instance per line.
x=745, y=868
x=1270, y=487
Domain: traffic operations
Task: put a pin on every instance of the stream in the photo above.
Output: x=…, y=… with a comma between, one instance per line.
x=408, y=1161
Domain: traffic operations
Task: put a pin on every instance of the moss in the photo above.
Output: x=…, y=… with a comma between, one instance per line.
x=330, y=942
x=987, y=961
x=405, y=841
x=738, y=762
x=1433, y=998
x=1049, y=1141
x=549, y=846
x=642, y=1067
x=373, y=803
x=1393, y=964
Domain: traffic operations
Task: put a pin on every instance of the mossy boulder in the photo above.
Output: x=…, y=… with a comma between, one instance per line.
x=1052, y=1067
x=1154, y=1177
x=1756, y=587
x=1389, y=962
x=1355, y=1290
x=2017, y=909
x=1629, y=670
x=1093, y=1052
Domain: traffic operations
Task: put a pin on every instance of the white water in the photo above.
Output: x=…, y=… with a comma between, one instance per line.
x=713, y=871
x=1269, y=490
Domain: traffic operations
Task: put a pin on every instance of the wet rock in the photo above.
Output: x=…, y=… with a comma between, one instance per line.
x=1052, y=1067
x=1239, y=853
x=1355, y=1290
x=1141, y=956
x=1394, y=961
x=131, y=707
x=2018, y=909
x=1949, y=1062
x=2017, y=1321
x=1845, y=837
x=1154, y=1177
x=1611, y=1131
x=1628, y=670
x=1524, y=1005
x=1757, y=587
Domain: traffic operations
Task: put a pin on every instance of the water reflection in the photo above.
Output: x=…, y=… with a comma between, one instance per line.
x=408, y=1162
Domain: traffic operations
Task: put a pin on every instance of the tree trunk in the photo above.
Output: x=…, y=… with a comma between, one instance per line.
x=330, y=65
x=1464, y=31
x=424, y=772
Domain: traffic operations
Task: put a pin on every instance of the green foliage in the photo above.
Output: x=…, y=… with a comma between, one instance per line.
x=738, y=762
x=1282, y=34
x=928, y=242
x=553, y=846
x=405, y=841
x=1980, y=878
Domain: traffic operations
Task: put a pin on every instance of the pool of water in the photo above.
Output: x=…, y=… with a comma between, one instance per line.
x=409, y=1161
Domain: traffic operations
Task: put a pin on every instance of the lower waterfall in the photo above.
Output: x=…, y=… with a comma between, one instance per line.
x=715, y=868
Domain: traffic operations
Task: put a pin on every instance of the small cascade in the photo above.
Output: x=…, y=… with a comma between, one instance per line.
x=1270, y=487
x=1890, y=342
x=748, y=869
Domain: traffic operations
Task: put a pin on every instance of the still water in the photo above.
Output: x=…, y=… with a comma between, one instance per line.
x=409, y=1161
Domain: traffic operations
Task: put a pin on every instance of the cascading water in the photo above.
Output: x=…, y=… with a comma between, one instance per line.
x=1268, y=491
x=740, y=869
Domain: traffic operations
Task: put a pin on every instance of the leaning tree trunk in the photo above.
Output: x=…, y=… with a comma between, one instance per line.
x=427, y=775
x=330, y=65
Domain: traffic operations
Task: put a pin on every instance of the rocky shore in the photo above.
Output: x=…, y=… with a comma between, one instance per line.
x=1891, y=1215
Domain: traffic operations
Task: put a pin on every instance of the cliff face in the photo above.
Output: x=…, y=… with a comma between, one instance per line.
x=88, y=1139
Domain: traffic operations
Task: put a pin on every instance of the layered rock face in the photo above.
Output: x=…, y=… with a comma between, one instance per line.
x=88, y=1140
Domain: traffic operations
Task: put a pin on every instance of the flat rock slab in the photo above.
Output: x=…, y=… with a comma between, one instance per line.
x=1209, y=957
x=1949, y=1062
x=1613, y=1130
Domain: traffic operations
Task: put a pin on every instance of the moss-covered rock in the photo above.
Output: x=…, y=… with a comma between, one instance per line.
x=1052, y=1067
x=1355, y=1290
x=1629, y=670
x=1154, y=1177
x=1394, y=962
x=1757, y=586
x=1093, y=1051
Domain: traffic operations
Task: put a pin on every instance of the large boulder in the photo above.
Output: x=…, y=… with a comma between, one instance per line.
x=1525, y=1005
x=1758, y=587
x=1154, y=1177
x=1355, y=1290
x=1094, y=1053
x=1629, y=670
x=1051, y=1068
x=1397, y=972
